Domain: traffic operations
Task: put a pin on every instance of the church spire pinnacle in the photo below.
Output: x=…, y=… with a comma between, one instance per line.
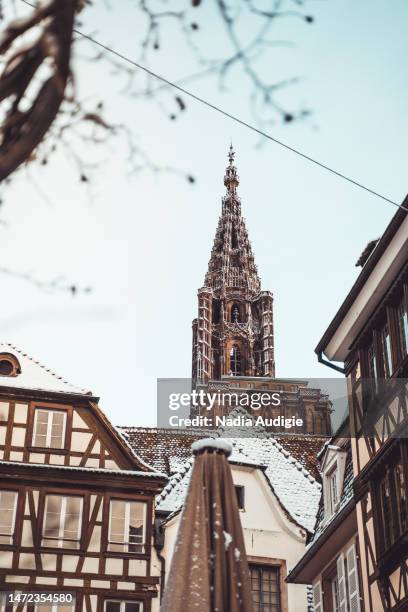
x=233, y=334
x=231, y=180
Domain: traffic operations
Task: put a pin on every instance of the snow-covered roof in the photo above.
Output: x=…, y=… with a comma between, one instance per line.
x=168, y=449
x=296, y=489
x=35, y=376
x=76, y=468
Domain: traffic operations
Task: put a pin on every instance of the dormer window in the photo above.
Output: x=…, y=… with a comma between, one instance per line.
x=9, y=365
x=334, y=465
x=332, y=489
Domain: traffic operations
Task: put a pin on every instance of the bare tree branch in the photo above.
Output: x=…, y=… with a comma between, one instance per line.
x=23, y=130
x=58, y=284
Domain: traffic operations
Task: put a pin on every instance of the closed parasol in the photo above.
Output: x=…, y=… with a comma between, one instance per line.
x=209, y=569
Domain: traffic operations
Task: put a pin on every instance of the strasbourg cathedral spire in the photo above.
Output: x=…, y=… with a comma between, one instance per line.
x=233, y=334
x=233, y=340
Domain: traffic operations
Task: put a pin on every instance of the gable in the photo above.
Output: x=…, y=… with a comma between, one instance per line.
x=263, y=510
x=56, y=432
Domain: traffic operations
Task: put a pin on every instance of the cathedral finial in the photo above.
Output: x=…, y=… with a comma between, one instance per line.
x=231, y=178
x=231, y=155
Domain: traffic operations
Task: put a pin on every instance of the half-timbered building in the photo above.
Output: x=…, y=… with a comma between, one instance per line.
x=76, y=503
x=331, y=563
x=369, y=335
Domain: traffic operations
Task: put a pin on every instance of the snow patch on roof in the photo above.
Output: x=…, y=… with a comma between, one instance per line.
x=75, y=468
x=296, y=489
x=125, y=439
x=35, y=375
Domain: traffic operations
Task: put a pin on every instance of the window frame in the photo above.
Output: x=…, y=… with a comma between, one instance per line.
x=268, y=568
x=332, y=478
x=114, y=599
x=55, y=607
x=372, y=339
x=338, y=574
x=84, y=495
x=106, y=525
x=402, y=305
x=280, y=564
x=240, y=495
x=50, y=424
x=29, y=442
x=387, y=360
x=236, y=358
x=14, y=536
x=399, y=455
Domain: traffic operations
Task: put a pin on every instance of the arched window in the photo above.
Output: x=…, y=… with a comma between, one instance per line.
x=235, y=361
x=235, y=313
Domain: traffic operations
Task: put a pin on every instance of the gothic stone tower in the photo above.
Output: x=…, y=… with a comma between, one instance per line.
x=233, y=334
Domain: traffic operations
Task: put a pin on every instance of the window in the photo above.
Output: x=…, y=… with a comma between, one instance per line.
x=317, y=597
x=338, y=586
x=115, y=605
x=49, y=428
x=127, y=526
x=56, y=607
x=340, y=591
x=372, y=368
x=335, y=587
x=403, y=327
x=235, y=361
x=240, y=493
x=392, y=505
x=123, y=606
x=353, y=590
x=265, y=586
x=8, y=507
x=332, y=491
x=62, y=521
x=386, y=351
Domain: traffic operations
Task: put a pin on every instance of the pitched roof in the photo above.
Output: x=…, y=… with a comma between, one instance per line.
x=36, y=376
x=295, y=486
x=167, y=449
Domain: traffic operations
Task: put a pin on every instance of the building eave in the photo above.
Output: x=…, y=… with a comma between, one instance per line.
x=338, y=351
x=91, y=477
x=46, y=394
x=318, y=555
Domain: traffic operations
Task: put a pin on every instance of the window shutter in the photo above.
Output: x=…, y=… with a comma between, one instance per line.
x=317, y=597
x=354, y=592
x=341, y=579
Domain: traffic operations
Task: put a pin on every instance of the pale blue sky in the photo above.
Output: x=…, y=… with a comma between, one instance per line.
x=144, y=243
